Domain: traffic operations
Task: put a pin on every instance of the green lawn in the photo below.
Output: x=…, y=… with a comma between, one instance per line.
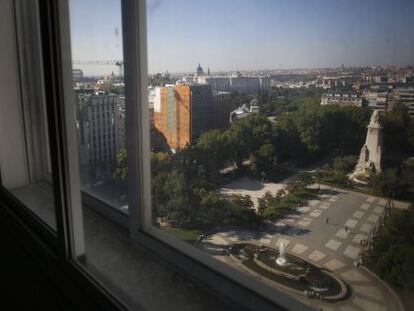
x=184, y=234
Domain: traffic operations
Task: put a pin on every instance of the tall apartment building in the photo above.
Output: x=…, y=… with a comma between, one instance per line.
x=183, y=112
x=102, y=127
x=82, y=96
x=98, y=136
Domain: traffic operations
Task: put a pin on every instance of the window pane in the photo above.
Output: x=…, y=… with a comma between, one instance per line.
x=24, y=147
x=130, y=272
x=99, y=99
x=277, y=147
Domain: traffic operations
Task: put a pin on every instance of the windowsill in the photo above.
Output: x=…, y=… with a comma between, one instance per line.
x=38, y=197
x=136, y=276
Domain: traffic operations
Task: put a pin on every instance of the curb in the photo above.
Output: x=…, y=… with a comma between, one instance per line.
x=397, y=298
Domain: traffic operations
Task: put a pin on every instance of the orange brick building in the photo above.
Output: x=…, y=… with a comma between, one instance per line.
x=182, y=113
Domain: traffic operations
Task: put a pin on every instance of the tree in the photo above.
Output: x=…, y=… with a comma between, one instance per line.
x=264, y=159
x=242, y=212
x=121, y=170
x=173, y=199
x=242, y=201
x=397, y=124
x=212, y=151
x=247, y=135
x=213, y=208
x=304, y=179
x=300, y=182
x=393, y=251
x=345, y=164
x=386, y=183
x=265, y=202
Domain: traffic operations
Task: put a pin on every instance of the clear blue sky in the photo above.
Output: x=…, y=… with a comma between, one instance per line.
x=251, y=34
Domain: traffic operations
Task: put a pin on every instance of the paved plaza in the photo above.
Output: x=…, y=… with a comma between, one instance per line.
x=333, y=244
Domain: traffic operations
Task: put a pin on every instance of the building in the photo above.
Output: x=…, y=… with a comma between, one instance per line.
x=222, y=106
x=151, y=100
x=381, y=79
x=376, y=97
x=341, y=99
x=403, y=93
x=100, y=121
x=77, y=75
x=244, y=111
x=120, y=118
x=102, y=111
x=81, y=103
x=235, y=83
x=182, y=112
x=200, y=71
x=218, y=84
x=327, y=82
x=239, y=83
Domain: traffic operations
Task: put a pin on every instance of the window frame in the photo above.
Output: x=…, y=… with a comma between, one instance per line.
x=67, y=245
x=29, y=62
x=53, y=249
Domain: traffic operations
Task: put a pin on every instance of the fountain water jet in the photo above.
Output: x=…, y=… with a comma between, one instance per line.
x=281, y=259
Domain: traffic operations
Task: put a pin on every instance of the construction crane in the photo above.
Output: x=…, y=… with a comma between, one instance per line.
x=111, y=62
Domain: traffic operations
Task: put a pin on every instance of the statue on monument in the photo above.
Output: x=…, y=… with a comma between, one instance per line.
x=371, y=152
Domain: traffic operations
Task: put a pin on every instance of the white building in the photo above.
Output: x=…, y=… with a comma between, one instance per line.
x=77, y=74
x=218, y=84
x=244, y=111
x=341, y=99
x=377, y=99
x=238, y=83
x=151, y=97
x=404, y=94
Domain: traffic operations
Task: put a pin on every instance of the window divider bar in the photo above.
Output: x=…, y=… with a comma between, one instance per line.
x=137, y=116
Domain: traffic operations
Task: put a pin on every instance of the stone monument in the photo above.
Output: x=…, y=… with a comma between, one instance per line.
x=370, y=158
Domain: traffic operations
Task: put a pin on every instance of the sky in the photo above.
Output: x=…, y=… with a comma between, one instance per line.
x=250, y=34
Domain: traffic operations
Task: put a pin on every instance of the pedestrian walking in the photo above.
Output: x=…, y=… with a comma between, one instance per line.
x=327, y=219
x=346, y=228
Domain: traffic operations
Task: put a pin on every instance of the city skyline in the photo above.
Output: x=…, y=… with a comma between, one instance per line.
x=250, y=35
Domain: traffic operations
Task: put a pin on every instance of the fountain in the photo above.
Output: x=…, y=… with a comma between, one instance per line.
x=289, y=271
x=281, y=259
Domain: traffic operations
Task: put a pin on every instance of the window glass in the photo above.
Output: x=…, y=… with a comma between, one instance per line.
x=281, y=142
x=98, y=85
x=280, y=137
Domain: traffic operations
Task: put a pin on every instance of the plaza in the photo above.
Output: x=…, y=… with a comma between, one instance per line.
x=327, y=231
